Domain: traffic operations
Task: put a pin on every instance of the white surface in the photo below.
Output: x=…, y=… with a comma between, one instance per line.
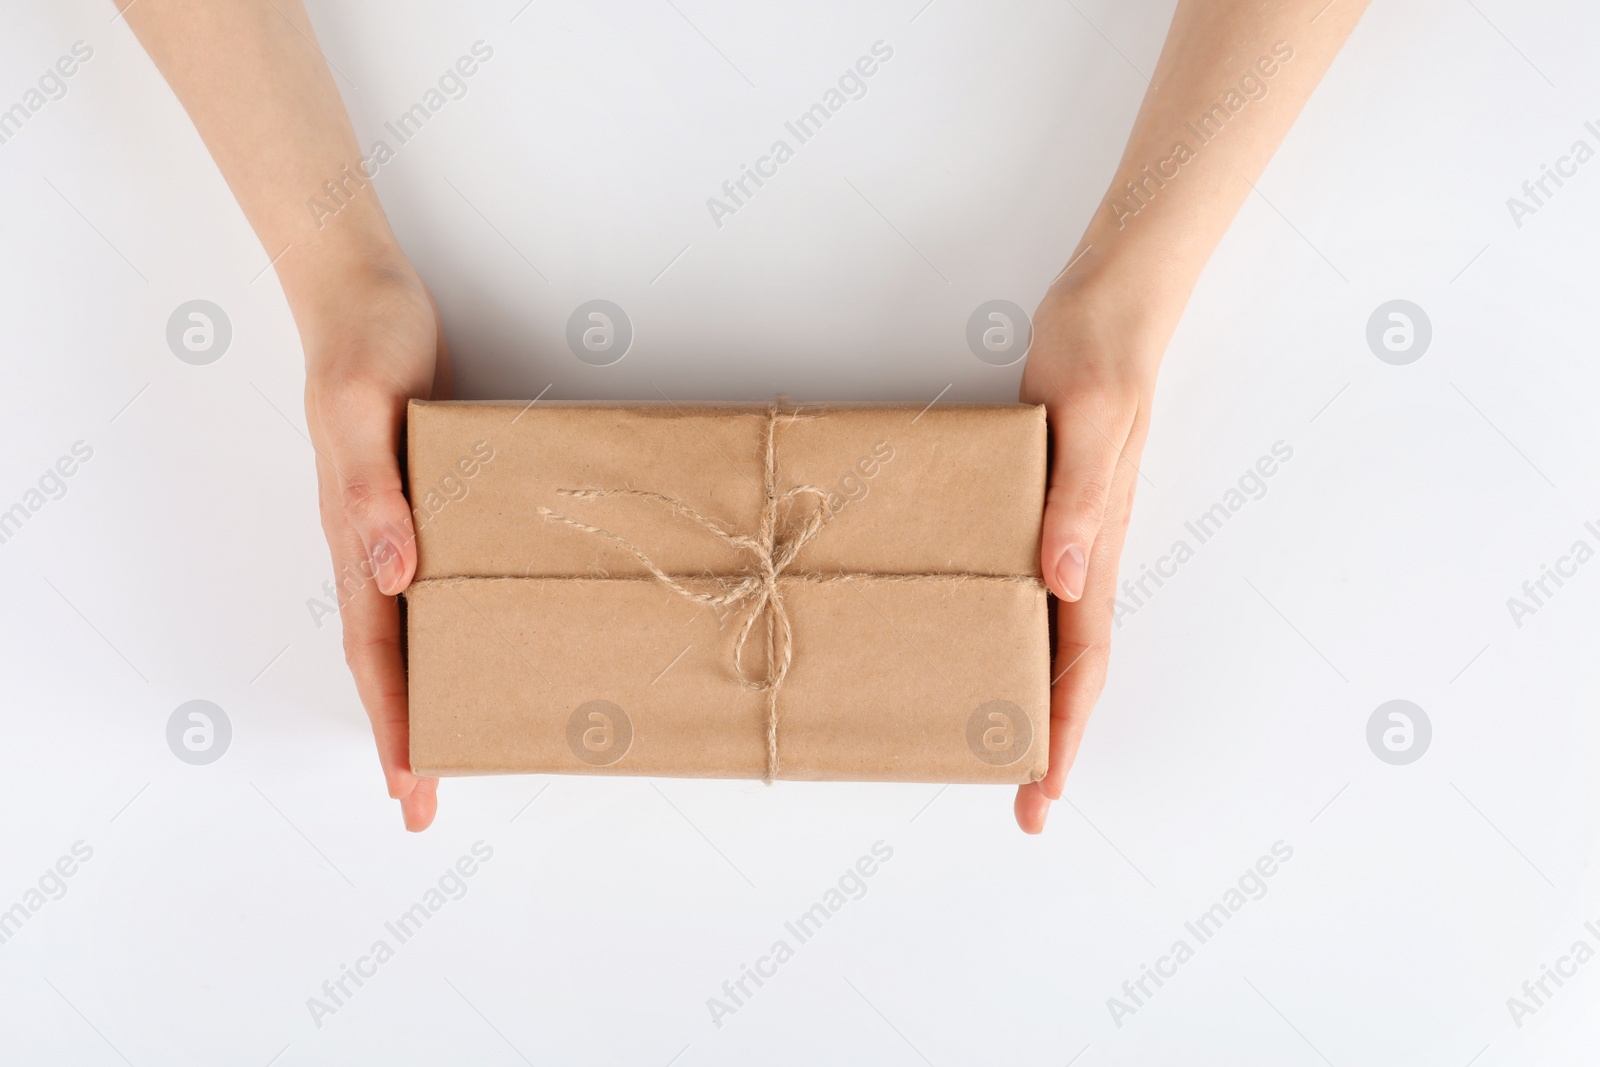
x=219, y=898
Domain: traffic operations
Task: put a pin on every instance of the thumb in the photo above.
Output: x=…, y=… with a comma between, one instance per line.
x=361, y=427
x=1087, y=442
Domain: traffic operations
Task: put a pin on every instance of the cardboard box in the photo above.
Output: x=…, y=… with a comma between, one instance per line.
x=822, y=592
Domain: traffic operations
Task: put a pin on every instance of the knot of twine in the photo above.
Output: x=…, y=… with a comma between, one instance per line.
x=771, y=552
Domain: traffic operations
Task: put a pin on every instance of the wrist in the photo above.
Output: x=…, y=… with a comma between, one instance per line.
x=1134, y=304
x=1133, y=281
x=329, y=277
x=319, y=265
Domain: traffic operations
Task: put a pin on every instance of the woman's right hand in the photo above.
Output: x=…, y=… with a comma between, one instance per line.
x=372, y=341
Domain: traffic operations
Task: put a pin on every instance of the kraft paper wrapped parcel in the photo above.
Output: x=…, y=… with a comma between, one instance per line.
x=775, y=591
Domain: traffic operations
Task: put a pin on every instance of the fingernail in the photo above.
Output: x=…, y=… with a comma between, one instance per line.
x=1071, y=570
x=386, y=567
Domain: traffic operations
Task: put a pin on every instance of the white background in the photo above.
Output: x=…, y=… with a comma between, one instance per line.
x=1419, y=498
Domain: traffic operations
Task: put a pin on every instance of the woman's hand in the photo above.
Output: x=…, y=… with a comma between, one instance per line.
x=372, y=343
x=261, y=95
x=1092, y=364
x=1098, y=337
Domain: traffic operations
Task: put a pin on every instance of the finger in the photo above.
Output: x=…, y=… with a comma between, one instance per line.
x=371, y=623
x=1089, y=428
x=359, y=422
x=420, y=805
x=1082, y=658
x=1032, y=808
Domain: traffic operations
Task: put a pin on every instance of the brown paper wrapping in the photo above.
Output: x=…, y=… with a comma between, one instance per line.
x=919, y=647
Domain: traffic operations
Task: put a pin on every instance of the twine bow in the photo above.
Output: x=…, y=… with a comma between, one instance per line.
x=771, y=552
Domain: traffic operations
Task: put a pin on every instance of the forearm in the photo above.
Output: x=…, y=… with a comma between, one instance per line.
x=251, y=77
x=1232, y=78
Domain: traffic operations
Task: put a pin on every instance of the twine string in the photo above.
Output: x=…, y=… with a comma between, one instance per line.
x=771, y=550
